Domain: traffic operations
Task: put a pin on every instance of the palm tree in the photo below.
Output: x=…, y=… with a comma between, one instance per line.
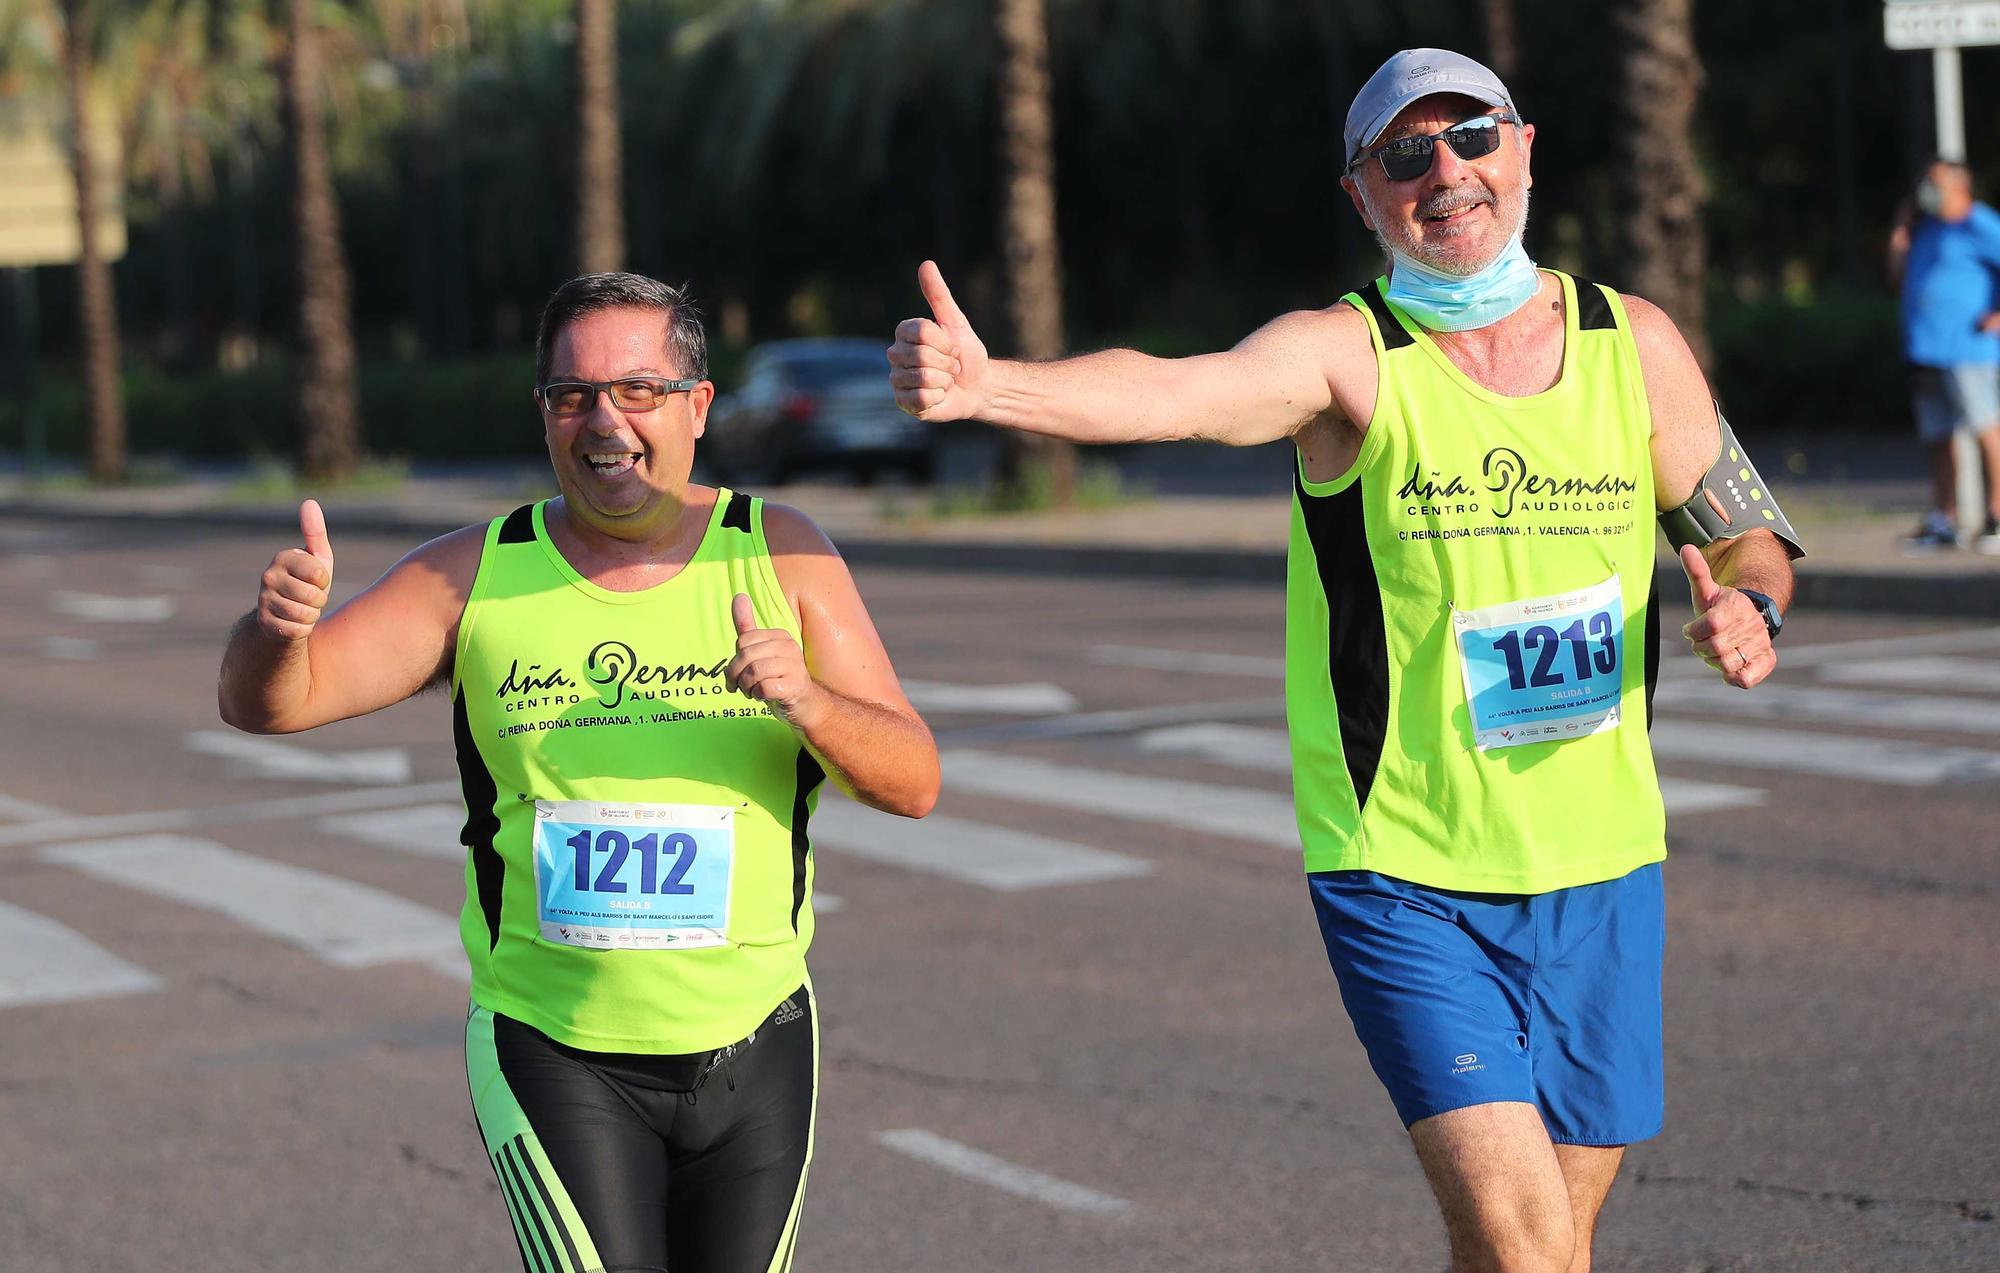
x=1665, y=249
x=1033, y=248
x=600, y=218
x=97, y=307
x=329, y=416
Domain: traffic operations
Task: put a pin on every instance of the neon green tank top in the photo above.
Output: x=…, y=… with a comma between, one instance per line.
x=1470, y=636
x=639, y=876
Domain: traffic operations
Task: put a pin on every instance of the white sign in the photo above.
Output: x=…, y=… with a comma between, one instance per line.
x=1940, y=24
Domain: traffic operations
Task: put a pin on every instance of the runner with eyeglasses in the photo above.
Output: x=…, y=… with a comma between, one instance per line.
x=651, y=680
x=1471, y=637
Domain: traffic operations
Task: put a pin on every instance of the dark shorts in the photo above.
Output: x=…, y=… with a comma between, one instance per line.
x=621, y=1162
x=1467, y=998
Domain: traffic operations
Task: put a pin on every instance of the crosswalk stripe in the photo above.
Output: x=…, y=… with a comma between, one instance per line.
x=1238, y=812
x=1187, y=661
x=27, y=810
x=971, y=852
x=1270, y=750
x=1032, y=698
x=1854, y=708
x=335, y=920
x=425, y=830
x=76, y=826
x=1936, y=672
x=1023, y=1182
x=1884, y=760
x=42, y=961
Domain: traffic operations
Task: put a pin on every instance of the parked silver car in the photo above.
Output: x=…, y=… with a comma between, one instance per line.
x=815, y=404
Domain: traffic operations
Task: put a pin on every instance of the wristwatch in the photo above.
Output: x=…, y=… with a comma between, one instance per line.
x=1773, y=621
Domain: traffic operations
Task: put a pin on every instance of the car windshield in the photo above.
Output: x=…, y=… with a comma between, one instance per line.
x=823, y=371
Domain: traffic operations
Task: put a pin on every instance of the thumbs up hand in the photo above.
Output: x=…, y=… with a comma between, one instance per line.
x=1728, y=630
x=293, y=590
x=938, y=365
x=771, y=668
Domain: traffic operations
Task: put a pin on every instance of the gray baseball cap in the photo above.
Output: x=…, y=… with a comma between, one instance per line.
x=1412, y=74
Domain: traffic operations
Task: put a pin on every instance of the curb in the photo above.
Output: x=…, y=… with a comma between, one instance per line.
x=1963, y=596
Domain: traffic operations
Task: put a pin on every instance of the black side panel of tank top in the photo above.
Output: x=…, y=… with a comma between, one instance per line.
x=1357, y=648
x=519, y=528
x=1652, y=646
x=1393, y=335
x=737, y=515
x=1593, y=311
x=481, y=824
x=810, y=775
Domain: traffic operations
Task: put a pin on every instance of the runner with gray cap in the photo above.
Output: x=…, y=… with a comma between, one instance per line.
x=1471, y=637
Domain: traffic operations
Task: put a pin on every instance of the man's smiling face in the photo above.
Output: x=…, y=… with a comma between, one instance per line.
x=1459, y=215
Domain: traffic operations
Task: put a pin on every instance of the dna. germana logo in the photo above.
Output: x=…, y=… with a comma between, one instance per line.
x=613, y=667
x=1510, y=486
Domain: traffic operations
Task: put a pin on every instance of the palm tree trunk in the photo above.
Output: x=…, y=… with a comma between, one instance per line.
x=1502, y=48
x=329, y=417
x=600, y=219
x=1034, y=257
x=1665, y=248
x=97, y=308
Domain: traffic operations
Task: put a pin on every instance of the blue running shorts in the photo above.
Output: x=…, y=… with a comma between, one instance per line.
x=1467, y=998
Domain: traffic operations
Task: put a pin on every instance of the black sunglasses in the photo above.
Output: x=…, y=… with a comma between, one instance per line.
x=1409, y=157
x=634, y=393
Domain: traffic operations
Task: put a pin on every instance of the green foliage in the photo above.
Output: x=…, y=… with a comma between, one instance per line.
x=1829, y=362
x=474, y=408
x=1098, y=486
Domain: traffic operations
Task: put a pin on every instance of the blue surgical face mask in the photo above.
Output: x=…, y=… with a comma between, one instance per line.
x=1452, y=302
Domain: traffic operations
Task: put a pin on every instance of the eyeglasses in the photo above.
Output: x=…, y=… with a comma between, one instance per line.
x=634, y=393
x=1409, y=157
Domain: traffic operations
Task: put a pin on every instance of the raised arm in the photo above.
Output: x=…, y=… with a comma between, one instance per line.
x=286, y=669
x=839, y=694
x=1728, y=631
x=1291, y=372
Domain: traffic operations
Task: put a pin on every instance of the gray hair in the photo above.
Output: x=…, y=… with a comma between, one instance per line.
x=686, y=343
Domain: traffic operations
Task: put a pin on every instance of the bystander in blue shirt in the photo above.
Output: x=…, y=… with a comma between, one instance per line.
x=1950, y=282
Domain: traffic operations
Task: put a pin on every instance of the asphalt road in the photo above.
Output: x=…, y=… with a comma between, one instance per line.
x=1081, y=1022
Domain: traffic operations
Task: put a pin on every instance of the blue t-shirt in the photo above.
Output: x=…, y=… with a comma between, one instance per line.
x=1948, y=286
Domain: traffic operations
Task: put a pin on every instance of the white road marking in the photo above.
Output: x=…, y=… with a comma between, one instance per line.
x=429, y=830
x=42, y=961
x=1853, y=708
x=1242, y=813
x=972, y=852
x=268, y=758
x=828, y=903
x=70, y=649
x=1030, y=698
x=286, y=808
x=167, y=576
x=335, y=920
x=1023, y=1182
x=1118, y=721
x=1270, y=750
x=1901, y=647
x=1882, y=760
x=1934, y=672
x=23, y=810
x=99, y=608
x=1188, y=661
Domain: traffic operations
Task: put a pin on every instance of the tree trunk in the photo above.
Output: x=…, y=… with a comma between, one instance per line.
x=329, y=416
x=97, y=302
x=1664, y=247
x=600, y=218
x=1034, y=257
x=1503, y=55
